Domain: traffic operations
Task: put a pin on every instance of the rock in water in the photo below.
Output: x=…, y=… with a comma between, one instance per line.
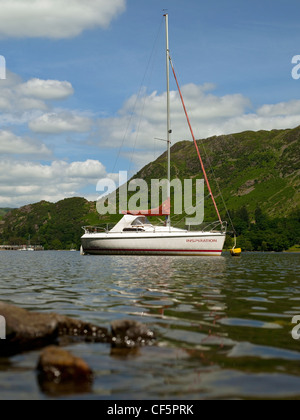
x=129, y=334
x=25, y=331
x=61, y=373
x=30, y=330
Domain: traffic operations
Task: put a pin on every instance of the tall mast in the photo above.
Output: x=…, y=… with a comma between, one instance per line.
x=169, y=131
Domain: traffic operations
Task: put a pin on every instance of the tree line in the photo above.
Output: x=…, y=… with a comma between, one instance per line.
x=265, y=233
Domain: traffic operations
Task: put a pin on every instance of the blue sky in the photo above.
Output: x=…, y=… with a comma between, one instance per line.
x=85, y=90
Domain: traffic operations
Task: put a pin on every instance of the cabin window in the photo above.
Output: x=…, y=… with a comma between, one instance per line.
x=141, y=221
x=133, y=229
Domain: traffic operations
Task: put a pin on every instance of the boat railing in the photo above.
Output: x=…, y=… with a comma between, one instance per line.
x=97, y=229
x=209, y=227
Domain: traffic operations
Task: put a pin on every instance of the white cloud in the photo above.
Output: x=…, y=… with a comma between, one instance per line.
x=17, y=97
x=46, y=89
x=29, y=182
x=5, y=104
x=52, y=19
x=27, y=105
x=12, y=144
x=255, y=122
x=90, y=169
x=30, y=103
x=281, y=109
x=63, y=122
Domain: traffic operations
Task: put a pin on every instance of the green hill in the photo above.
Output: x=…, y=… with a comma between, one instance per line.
x=4, y=211
x=252, y=169
x=55, y=226
x=257, y=173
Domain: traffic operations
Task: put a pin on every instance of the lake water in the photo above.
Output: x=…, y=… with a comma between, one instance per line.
x=223, y=324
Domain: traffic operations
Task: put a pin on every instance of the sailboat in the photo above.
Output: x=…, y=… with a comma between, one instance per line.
x=27, y=247
x=135, y=235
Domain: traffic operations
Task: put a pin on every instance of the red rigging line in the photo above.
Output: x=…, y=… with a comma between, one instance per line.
x=196, y=145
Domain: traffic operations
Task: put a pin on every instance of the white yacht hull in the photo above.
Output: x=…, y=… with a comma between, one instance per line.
x=143, y=243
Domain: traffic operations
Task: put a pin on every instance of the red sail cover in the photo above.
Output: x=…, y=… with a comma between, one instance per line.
x=163, y=210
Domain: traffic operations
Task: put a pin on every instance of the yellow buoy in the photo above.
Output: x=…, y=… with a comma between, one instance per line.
x=235, y=252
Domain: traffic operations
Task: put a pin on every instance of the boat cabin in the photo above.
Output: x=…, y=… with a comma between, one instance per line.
x=131, y=223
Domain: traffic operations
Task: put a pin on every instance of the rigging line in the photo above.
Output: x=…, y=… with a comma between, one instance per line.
x=123, y=140
x=215, y=179
x=192, y=207
x=218, y=186
x=137, y=134
x=151, y=67
x=195, y=142
x=138, y=96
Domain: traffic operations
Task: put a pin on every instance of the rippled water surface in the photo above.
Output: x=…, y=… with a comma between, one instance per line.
x=223, y=324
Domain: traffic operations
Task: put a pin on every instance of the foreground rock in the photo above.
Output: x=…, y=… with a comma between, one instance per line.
x=62, y=373
x=31, y=330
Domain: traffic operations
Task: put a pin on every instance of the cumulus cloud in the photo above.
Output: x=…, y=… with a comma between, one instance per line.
x=28, y=182
x=30, y=103
x=12, y=144
x=26, y=107
x=281, y=109
x=90, y=169
x=48, y=18
x=56, y=123
x=17, y=97
x=46, y=89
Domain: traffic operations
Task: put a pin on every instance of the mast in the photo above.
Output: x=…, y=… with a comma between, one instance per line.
x=169, y=131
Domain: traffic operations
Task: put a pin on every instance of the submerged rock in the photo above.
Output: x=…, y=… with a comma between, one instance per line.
x=30, y=330
x=129, y=334
x=62, y=373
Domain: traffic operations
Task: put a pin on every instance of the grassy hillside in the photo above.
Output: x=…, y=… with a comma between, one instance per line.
x=4, y=211
x=252, y=169
x=55, y=226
